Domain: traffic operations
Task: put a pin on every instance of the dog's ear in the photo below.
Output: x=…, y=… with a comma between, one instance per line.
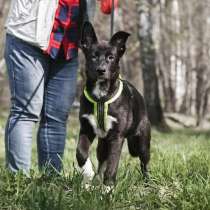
x=119, y=40
x=88, y=36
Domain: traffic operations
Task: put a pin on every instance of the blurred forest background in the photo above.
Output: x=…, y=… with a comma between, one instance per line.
x=167, y=59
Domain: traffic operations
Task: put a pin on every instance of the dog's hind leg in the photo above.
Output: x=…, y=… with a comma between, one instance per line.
x=144, y=154
x=139, y=146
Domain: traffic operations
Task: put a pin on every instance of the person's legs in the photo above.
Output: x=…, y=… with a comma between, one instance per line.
x=60, y=91
x=25, y=65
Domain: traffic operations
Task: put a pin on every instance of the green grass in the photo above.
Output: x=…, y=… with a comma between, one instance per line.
x=179, y=178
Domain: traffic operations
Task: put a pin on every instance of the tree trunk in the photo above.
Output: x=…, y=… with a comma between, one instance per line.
x=2, y=4
x=148, y=63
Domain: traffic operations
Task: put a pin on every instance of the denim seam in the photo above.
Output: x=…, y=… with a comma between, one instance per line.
x=11, y=66
x=46, y=131
x=13, y=72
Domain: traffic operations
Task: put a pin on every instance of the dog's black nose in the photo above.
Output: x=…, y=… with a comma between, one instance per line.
x=100, y=70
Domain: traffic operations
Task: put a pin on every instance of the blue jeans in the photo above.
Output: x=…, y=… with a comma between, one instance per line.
x=42, y=90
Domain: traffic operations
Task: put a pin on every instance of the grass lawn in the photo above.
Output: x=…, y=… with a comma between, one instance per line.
x=180, y=178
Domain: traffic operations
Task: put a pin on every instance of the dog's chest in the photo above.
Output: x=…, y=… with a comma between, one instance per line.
x=93, y=122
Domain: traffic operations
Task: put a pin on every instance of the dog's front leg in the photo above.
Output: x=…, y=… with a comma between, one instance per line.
x=102, y=154
x=115, y=147
x=82, y=154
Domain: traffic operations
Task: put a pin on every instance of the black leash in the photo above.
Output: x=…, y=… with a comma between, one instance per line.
x=112, y=19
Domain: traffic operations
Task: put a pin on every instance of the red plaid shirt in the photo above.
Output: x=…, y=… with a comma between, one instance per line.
x=64, y=34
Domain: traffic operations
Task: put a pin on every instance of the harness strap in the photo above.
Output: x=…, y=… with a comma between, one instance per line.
x=100, y=108
x=100, y=115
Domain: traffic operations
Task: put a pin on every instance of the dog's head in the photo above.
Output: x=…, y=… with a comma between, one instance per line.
x=102, y=58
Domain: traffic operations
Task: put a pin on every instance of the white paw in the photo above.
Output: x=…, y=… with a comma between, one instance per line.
x=87, y=171
x=107, y=189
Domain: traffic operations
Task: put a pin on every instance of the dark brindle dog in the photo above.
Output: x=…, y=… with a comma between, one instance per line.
x=111, y=109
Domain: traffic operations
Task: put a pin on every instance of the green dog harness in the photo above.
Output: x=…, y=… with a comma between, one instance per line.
x=100, y=108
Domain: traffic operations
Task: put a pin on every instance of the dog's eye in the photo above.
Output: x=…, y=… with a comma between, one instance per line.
x=110, y=57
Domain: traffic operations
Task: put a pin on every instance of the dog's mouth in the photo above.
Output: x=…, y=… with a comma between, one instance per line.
x=102, y=81
x=101, y=77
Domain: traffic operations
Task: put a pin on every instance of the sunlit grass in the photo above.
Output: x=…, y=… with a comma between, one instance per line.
x=179, y=178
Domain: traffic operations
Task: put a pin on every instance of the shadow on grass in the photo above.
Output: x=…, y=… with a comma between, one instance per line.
x=193, y=132
x=204, y=134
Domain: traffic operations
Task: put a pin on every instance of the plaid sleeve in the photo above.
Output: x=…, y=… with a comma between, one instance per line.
x=65, y=30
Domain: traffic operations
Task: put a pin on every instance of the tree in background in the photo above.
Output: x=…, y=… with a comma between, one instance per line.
x=183, y=44
x=173, y=38
x=4, y=92
x=2, y=4
x=202, y=66
x=148, y=62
